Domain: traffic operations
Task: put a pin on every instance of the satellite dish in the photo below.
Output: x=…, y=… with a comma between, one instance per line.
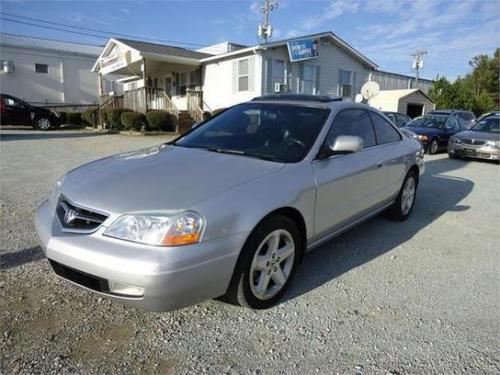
x=369, y=90
x=358, y=98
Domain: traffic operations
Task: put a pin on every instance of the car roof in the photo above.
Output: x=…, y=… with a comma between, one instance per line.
x=331, y=102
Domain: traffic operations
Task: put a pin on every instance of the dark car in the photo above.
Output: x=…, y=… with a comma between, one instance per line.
x=467, y=116
x=434, y=131
x=14, y=111
x=399, y=119
x=488, y=114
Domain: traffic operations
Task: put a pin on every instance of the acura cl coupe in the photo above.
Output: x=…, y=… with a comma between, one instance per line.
x=230, y=208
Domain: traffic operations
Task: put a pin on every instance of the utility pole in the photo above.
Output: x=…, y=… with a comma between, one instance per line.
x=417, y=64
x=265, y=29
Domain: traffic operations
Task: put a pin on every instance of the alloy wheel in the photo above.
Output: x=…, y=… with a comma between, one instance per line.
x=43, y=123
x=408, y=195
x=434, y=147
x=272, y=264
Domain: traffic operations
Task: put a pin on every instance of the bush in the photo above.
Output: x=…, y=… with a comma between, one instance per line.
x=133, y=120
x=74, y=118
x=91, y=117
x=206, y=115
x=160, y=120
x=113, y=117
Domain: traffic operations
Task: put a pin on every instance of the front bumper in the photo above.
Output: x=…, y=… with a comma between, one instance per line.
x=170, y=278
x=473, y=151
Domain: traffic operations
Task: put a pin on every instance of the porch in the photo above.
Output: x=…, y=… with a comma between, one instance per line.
x=153, y=77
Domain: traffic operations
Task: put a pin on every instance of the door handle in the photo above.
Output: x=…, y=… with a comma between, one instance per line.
x=379, y=164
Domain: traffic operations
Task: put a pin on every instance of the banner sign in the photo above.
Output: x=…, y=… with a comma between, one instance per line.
x=303, y=49
x=114, y=62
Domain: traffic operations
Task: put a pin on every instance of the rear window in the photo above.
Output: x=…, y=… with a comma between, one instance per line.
x=467, y=116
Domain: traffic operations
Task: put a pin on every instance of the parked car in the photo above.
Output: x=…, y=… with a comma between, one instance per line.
x=229, y=208
x=494, y=113
x=434, y=131
x=15, y=111
x=482, y=141
x=467, y=116
x=400, y=120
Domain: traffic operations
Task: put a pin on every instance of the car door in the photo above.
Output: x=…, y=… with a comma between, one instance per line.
x=392, y=156
x=349, y=185
x=16, y=112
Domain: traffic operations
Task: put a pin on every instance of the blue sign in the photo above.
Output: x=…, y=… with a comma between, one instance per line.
x=303, y=49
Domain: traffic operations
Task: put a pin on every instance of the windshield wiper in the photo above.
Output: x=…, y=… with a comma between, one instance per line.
x=225, y=151
x=244, y=153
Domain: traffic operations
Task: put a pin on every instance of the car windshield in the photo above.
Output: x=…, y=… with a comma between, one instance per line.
x=489, y=124
x=276, y=132
x=436, y=122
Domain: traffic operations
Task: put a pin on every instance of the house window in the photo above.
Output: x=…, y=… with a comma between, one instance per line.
x=243, y=75
x=41, y=68
x=182, y=84
x=345, y=83
x=310, y=80
x=278, y=72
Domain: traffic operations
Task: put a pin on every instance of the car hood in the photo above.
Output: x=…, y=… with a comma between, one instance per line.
x=426, y=131
x=159, y=178
x=483, y=136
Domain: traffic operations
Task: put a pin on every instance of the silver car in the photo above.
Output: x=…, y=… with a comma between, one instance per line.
x=230, y=208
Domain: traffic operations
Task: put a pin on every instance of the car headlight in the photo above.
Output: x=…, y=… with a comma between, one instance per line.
x=494, y=144
x=158, y=229
x=423, y=137
x=455, y=140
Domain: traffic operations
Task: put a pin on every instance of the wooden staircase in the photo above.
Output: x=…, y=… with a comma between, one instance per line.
x=184, y=122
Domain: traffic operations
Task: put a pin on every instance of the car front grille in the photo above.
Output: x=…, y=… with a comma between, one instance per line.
x=77, y=219
x=81, y=278
x=476, y=142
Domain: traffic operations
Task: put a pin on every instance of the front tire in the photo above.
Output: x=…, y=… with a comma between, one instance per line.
x=43, y=123
x=403, y=205
x=266, y=265
x=433, y=147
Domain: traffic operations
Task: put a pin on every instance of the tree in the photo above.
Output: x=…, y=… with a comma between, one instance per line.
x=478, y=91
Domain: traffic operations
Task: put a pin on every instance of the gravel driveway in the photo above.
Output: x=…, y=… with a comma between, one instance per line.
x=415, y=297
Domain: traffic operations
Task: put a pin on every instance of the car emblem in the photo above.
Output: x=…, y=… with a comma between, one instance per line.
x=70, y=215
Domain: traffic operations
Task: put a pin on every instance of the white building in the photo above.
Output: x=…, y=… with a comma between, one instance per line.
x=186, y=82
x=48, y=72
x=413, y=102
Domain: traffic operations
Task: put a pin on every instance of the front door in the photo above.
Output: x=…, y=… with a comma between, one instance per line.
x=168, y=86
x=17, y=112
x=348, y=186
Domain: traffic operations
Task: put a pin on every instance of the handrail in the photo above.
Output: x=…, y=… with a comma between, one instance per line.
x=194, y=100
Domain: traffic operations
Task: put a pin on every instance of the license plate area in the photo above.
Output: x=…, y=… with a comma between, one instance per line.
x=469, y=151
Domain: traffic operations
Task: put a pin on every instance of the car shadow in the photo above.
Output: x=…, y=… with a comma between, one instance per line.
x=438, y=193
x=18, y=258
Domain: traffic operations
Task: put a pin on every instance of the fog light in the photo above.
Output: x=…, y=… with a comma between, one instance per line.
x=125, y=289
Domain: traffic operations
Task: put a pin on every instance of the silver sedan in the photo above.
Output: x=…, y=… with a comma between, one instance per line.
x=230, y=208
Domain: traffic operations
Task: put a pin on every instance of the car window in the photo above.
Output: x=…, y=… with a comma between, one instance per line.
x=403, y=119
x=354, y=122
x=277, y=132
x=384, y=131
x=462, y=125
x=392, y=117
x=467, y=116
x=452, y=123
x=12, y=103
x=489, y=124
x=428, y=121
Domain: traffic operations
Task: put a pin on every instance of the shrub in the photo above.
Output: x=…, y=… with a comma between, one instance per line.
x=74, y=118
x=206, y=115
x=113, y=117
x=133, y=120
x=91, y=117
x=160, y=120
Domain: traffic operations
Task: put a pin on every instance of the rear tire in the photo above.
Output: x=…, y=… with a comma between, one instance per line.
x=405, y=201
x=266, y=265
x=452, y=156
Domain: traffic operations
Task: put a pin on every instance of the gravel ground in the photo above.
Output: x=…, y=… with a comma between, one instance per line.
x=413, y=297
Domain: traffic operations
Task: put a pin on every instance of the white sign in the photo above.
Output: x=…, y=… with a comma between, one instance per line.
x=113, y=62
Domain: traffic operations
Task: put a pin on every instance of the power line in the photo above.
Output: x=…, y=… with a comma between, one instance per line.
x=108, y=33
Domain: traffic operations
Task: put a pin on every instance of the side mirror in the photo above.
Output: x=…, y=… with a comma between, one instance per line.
x=343, y=144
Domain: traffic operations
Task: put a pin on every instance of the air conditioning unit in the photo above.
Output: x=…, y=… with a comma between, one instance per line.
x=280, y=87
x=8, y=66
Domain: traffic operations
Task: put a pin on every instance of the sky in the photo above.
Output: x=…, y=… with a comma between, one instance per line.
x=386, y=31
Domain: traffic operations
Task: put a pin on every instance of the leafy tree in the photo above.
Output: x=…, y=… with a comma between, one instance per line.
x=478, y=91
